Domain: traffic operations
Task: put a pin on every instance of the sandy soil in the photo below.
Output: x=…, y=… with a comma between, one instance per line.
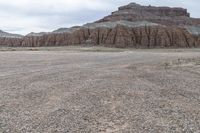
x=147, y=91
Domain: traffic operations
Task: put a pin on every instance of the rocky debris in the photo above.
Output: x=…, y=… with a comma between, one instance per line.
x=131, y=26
x=89, y=92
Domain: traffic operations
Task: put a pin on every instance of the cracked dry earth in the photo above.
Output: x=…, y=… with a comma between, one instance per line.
x=65, y=91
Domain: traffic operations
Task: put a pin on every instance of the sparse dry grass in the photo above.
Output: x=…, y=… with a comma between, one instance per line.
x=64, y=48
x=94, y=49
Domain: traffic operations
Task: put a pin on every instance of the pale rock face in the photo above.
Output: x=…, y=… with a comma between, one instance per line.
x=194, y=30
x=9, y=35
x=132, y=25
x=121, y=22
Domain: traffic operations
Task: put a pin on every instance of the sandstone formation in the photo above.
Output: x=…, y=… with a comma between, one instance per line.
x=10, y=39
x=132, y=25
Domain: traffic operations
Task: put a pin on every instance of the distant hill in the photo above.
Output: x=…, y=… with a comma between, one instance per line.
x=132, y=25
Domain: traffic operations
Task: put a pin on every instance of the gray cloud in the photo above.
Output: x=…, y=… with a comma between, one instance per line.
x=24, y=16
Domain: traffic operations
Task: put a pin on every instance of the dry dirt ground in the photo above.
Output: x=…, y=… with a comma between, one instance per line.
x=139, y=91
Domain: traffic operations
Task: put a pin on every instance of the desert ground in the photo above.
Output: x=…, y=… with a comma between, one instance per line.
x=72, y=89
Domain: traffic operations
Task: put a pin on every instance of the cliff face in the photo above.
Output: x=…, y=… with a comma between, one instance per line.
x=159, y=11
x=6, y=41
x=131, y=26
x=119, y=36
x=162, y=15
x=10, y=39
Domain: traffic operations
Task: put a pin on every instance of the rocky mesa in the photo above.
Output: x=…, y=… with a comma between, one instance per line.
x=132, y=25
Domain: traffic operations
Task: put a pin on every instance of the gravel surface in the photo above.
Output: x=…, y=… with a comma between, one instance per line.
x=146, y=91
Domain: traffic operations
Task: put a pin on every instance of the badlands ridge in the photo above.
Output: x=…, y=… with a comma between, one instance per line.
x=132, y=25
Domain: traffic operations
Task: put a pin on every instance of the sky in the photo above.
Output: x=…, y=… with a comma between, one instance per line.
x=25, y=16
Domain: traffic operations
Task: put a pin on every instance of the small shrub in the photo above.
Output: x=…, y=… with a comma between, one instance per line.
x=166, y=65
x=197, y=63
x=33, y=49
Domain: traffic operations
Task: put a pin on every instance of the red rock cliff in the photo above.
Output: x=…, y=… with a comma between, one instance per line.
x=131, y=26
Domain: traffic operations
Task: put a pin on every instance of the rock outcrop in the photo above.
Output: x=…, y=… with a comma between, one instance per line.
x=131, y=26
x=162, y=15
x=10, y=39
x=119, y=36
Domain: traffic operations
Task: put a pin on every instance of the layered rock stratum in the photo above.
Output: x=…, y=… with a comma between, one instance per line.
x=10, y=39
x=132, y=25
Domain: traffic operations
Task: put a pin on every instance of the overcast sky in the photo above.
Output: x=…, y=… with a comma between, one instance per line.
x=24, y=16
